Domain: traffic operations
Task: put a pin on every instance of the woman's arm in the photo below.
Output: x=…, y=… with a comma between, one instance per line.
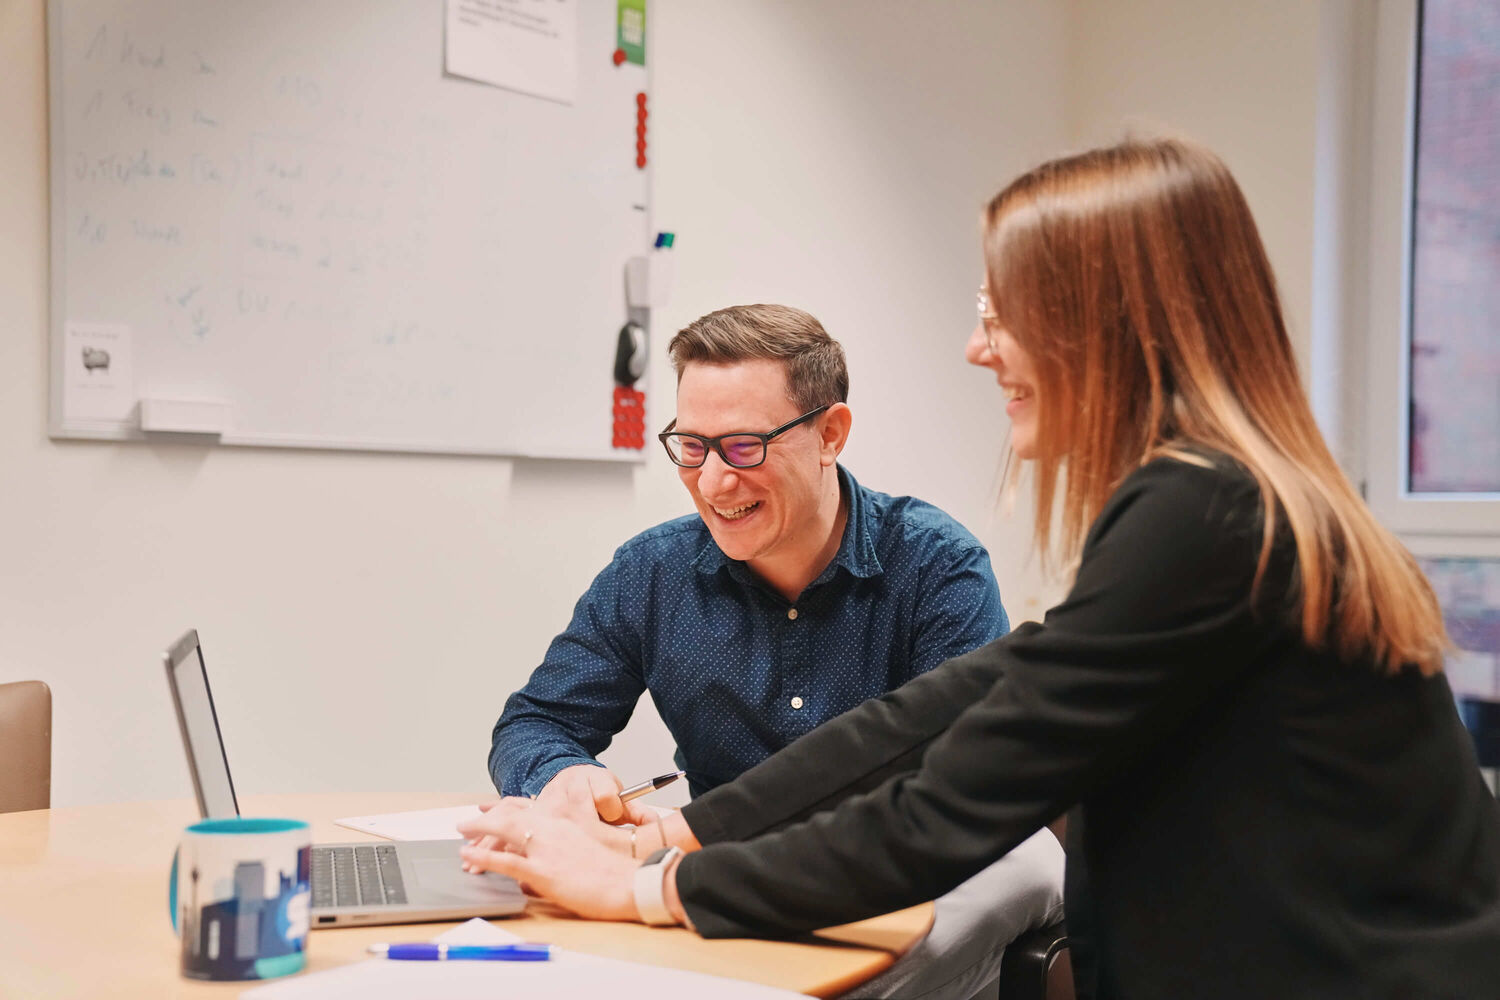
x=853, y=753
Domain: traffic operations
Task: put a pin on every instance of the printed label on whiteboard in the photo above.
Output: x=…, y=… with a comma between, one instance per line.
x=517, y=44
x=98, y=383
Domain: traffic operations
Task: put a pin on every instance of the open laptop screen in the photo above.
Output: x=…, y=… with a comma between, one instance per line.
x=188, y=680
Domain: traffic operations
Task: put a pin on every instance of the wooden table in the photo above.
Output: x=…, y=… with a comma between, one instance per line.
x=83, y=910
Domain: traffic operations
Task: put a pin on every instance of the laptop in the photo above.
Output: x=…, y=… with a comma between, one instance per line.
x=374, y=882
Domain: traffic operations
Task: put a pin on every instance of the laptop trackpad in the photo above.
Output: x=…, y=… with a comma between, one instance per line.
x=440, y=879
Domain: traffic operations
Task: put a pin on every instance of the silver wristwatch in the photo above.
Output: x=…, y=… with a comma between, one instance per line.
x=650, y=887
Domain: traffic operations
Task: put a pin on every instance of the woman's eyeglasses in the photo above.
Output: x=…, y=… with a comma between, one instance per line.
x=988, y=318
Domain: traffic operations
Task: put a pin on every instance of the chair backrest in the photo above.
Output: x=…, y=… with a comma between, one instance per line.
x=25, y=746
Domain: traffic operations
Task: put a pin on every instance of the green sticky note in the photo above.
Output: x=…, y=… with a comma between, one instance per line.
x=631, y=33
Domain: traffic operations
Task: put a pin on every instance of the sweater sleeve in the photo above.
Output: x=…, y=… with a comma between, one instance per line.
x=1159, y=619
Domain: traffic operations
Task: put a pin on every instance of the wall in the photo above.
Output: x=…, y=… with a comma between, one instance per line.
x=1242, y=78
x=365, y=615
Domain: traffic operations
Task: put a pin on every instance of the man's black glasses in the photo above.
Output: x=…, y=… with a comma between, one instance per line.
x=741, y=450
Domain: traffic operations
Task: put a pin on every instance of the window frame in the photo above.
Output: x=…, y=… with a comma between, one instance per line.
x=1432, y=524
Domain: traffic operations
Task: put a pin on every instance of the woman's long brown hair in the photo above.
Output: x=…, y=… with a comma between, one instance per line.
x=1135, y=278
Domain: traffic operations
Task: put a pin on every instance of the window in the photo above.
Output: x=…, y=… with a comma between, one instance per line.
x=1453, y=419
x=1431, y=451
x=1432, y=414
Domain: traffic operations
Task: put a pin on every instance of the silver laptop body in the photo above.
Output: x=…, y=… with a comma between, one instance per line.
x=368, y=882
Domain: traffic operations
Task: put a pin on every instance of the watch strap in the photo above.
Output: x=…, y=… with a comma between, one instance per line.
x=650, y=887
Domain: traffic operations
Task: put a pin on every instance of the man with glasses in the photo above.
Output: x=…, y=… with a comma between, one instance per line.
x=791, y=596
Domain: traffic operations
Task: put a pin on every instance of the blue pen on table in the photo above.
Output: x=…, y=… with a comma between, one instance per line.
x=426, y=951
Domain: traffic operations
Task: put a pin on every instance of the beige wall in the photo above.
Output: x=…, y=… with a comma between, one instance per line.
x=1240, y=77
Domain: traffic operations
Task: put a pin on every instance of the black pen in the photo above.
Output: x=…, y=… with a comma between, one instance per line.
x=640, y=788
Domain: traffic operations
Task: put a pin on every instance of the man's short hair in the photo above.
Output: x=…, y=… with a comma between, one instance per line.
x=816, y=373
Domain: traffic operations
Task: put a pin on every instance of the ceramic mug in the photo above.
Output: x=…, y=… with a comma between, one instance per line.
x=239, y=897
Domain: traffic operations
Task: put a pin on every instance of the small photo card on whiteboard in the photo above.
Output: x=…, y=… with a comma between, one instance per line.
x=98, y=382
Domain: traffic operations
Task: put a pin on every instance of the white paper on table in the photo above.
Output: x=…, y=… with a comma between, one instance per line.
x=568, y=974
x=415, y=824
x=526, y=45
x=477, y=930
x=98, y=381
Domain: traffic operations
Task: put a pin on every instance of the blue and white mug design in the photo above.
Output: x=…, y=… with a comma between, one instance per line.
x=239, y=897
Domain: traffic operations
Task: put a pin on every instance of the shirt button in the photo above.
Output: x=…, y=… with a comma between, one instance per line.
x=797, y=701
x=792, y=613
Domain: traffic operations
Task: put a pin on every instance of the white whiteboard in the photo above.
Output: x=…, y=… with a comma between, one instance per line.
x=293, y=211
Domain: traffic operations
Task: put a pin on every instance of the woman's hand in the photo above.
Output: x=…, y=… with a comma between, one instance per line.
x=563, y=853
x=617, y=835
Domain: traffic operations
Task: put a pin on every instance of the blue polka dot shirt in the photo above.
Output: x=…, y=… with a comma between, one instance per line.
x=736, y=670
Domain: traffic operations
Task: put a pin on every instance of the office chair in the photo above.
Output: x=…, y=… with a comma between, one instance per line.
x=1036, y=967
x=25, y=746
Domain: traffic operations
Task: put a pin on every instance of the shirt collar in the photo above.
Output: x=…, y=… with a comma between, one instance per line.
x=856, y=549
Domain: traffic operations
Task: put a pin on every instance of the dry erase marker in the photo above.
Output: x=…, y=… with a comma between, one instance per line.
x=649, y=785
x=428, y=952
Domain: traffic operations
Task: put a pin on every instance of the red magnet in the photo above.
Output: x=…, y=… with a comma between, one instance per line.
x=619, y=57
x=629, y=425
x=640, y=99
x=640, y=161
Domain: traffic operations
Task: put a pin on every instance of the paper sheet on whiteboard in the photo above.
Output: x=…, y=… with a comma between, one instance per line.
x=98, y=383
x=530, y=46
x=417, y=824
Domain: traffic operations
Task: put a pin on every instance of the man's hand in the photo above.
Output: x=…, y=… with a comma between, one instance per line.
x=585, y=781
x=599, y=785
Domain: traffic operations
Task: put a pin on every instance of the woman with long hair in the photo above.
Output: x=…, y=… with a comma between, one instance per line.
x=1240, y=703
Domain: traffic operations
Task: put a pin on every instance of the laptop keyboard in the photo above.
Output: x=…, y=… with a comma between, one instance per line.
x=358, y=875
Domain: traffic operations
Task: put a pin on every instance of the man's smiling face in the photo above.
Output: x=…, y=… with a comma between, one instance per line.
x=760, y=513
